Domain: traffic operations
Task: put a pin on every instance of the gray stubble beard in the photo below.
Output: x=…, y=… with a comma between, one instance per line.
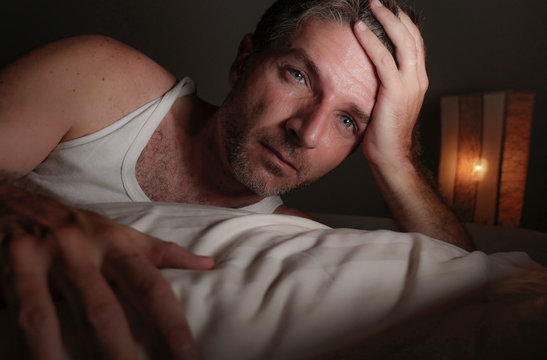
x=239, y=162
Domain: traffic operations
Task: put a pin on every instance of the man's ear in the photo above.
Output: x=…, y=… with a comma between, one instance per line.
x=245, y=49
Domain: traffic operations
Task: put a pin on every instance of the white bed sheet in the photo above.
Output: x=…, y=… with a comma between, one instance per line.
x=285, y=287
x=487, y=238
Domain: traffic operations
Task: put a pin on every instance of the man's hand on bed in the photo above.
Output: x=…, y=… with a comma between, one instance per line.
x=415, y=205
x=87, y=261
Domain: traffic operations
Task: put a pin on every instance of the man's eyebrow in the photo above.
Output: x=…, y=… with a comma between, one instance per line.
x=302, y=56
x=359, y=115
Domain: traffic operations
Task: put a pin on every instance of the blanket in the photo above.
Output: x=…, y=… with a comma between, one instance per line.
x=286, y=287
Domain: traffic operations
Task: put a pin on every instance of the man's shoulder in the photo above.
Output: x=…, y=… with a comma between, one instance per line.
x=100, y=49
x=104, y=59
x=109, y=75
x=68, y=89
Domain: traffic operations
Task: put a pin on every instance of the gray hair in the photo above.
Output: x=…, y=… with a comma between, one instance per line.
x=284, y=18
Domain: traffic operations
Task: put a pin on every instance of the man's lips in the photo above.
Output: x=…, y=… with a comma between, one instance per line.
x=280, y=158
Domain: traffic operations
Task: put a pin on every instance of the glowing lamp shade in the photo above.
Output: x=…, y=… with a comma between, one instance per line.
x=484, y=155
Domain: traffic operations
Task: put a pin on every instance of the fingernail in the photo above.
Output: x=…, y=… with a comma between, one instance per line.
x=361, y=25
x=377, y=3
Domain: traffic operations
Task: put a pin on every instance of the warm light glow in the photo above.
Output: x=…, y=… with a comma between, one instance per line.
x=484, y=155
x=480, y=166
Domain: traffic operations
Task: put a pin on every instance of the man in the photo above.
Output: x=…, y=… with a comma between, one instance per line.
x=302, y=100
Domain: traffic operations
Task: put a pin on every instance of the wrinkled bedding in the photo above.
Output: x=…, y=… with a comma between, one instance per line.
x=287, y=287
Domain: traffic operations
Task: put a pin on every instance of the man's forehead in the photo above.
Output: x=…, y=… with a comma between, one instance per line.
x=331, y=51
x=305, y=32
x=329, y=41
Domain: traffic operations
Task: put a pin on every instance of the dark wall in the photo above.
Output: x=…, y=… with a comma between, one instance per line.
x=482, y=45
x=472, y=46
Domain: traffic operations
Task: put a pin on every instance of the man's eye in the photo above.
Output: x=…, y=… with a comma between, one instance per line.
x=348, y=122
x=297, y=75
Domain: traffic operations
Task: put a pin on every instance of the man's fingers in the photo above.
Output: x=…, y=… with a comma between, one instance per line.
x=410, y=76
x=162, y=254
x=104, y=317
x=165, y=254
x=420, y=47
x=37, y=315
x=414, y=31
x=397, y=31
x=89, y=294
x=89, y=250
x=382, y=59
x=150, y=294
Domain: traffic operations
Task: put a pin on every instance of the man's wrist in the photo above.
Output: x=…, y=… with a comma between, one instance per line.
x=391, y=164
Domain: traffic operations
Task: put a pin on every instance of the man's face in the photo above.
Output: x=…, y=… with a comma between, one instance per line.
x=295, y=115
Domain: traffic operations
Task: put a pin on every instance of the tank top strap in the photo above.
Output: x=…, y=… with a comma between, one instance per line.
x=184, y=87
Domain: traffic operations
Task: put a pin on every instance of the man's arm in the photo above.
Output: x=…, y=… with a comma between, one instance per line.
x=387, y=145
x=63, y=91
x=68, y=89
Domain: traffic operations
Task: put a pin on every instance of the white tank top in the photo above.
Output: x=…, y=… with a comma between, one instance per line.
x=100, y=167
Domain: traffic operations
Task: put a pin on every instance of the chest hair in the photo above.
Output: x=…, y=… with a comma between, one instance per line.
x=161, y=170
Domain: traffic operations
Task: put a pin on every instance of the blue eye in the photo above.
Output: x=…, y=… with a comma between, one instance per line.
x=347, y=122
x=297, y=75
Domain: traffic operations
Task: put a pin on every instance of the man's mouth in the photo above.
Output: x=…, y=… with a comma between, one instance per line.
x=279, y=159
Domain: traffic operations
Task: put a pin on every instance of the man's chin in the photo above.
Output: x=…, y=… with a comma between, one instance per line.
x=265, y=179
x=267, y=187
x=272, y=188
x=269, y=190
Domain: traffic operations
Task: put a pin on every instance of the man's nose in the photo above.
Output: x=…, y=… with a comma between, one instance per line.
x=308, y=127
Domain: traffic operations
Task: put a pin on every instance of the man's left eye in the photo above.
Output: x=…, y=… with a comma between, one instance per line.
x=347, y=122
x=298, y=76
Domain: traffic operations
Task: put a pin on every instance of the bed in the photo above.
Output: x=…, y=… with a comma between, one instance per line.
x=288, y=288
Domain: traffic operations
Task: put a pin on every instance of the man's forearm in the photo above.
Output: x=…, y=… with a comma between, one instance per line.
x=415, y=205
x=388, y=139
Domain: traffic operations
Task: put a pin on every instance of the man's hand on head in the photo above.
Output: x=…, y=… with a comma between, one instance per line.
x=414, y=204
x=388, y=139
x=85, y=256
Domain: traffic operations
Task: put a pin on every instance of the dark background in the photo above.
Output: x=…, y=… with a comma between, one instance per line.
x=473, y=46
